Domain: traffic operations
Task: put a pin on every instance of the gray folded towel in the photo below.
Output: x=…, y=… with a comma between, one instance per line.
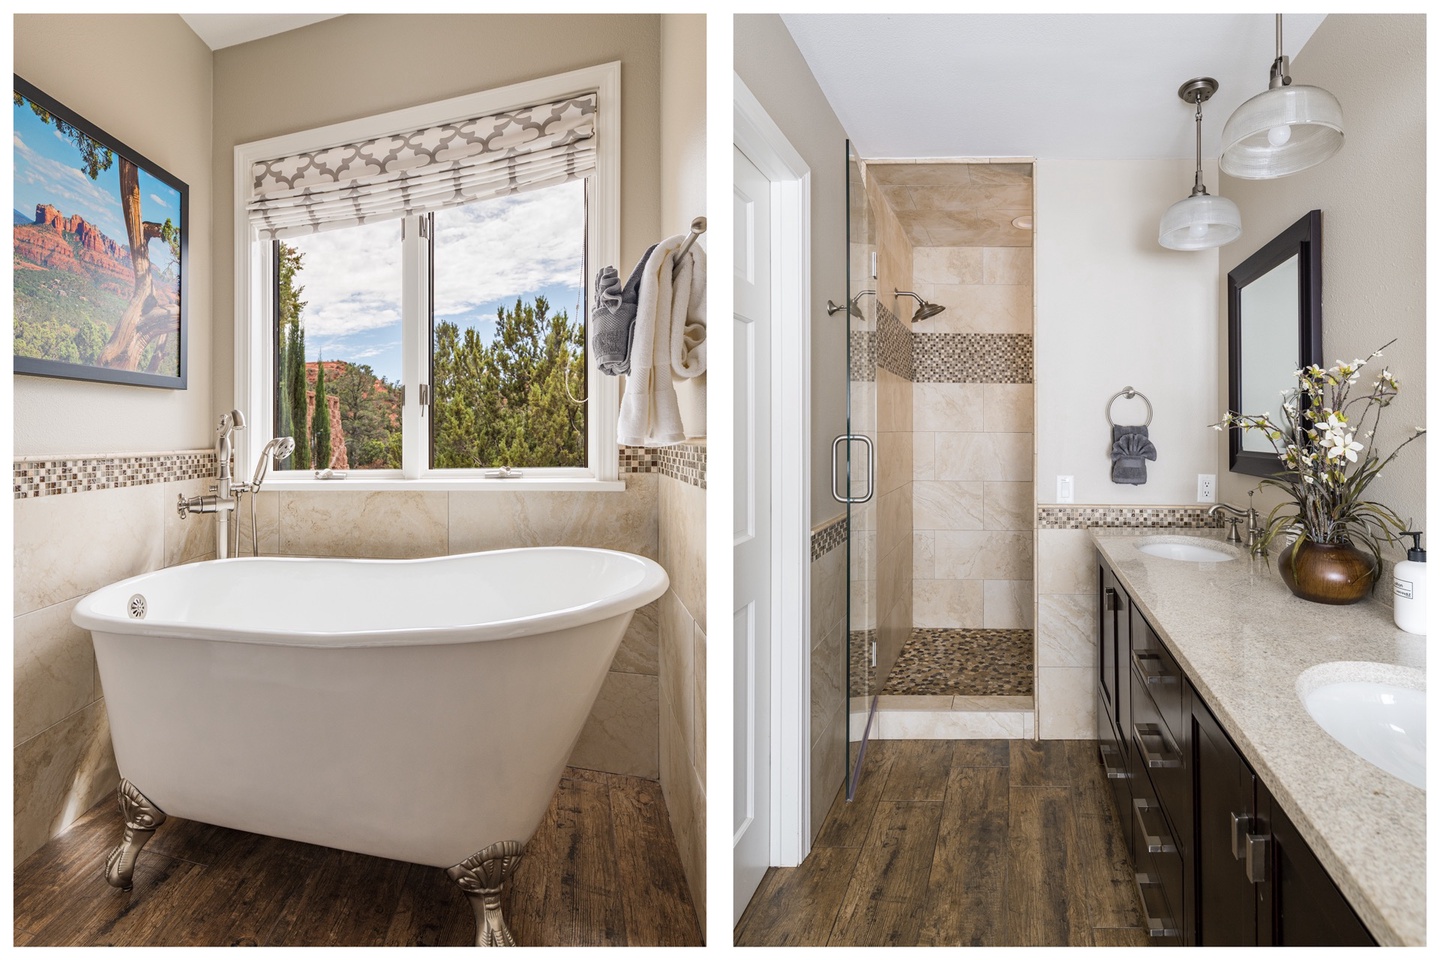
x=614, y=317
x=1130, y=447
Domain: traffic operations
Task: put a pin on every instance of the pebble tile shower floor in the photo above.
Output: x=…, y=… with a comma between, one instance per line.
x=964, y=662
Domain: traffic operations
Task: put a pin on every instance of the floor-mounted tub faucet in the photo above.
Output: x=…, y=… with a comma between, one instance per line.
x=221, y=500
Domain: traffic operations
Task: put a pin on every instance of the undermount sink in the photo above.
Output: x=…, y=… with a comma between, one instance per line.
x=1375, y=710
x=1191, y=549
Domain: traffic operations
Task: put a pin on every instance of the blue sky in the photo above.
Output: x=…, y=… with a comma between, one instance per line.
x=48, y=169
x=486, y=255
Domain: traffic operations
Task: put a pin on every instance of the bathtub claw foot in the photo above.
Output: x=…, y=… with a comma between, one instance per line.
x=483, y=877
x=141, y=818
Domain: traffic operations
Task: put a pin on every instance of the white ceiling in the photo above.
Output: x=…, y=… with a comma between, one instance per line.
x=220, y=30
x=1073, y=86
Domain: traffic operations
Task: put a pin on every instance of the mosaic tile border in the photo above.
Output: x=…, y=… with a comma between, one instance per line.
x=684, y=462
x=862, y=356
x=53, y=476
x=1066, y=517
x=828, y=537
x=974, y=358
x=894, y=344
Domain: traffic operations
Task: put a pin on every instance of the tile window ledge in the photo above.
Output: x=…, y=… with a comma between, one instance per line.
x=274, y=484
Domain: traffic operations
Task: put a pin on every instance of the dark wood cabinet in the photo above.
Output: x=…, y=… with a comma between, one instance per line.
x=1217, y=861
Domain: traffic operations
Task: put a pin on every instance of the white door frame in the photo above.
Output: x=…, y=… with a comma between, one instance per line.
x=758, y=137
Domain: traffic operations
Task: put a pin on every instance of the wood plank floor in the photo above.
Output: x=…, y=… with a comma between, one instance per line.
x=960, y=843
x=603, y=869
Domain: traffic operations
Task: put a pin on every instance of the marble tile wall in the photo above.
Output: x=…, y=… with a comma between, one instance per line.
x=828, y=700
x=682, y=668
x=1066, y=586
x=64, y=548
x=974, y=440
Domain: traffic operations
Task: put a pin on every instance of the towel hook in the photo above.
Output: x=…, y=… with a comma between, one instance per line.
x=1130, y=393
x=697, y=227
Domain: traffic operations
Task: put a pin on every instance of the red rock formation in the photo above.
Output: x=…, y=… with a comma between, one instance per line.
x=47, y=244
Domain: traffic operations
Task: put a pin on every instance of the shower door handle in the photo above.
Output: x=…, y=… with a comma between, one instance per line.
x=869, y=468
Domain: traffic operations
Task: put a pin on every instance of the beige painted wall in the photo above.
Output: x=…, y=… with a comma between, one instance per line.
x=770, y=64
x=1114, y=308
x=682, y=505
x=334, y=70
x=82, y=60
x=1372, y=198
x=682, y=160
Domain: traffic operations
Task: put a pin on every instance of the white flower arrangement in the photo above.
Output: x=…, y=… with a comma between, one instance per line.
x=1326, y=467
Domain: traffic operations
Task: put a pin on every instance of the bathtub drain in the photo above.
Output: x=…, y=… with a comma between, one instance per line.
x=137, y=607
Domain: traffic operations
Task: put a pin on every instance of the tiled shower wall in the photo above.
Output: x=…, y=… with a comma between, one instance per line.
x=115, y=517
x=974, y=439
x=828, y=736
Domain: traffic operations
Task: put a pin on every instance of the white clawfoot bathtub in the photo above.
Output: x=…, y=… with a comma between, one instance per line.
x=420, y=710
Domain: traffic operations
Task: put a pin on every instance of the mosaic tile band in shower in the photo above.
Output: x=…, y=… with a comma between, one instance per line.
x=895, y=349
x=828, y=537
x=1067, y=517
x=974, y=358
x=862, y=356
x=52, y=476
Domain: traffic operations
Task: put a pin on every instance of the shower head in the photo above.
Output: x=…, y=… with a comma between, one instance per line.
x=280, y=448
x=925, y=311
x=284, y=446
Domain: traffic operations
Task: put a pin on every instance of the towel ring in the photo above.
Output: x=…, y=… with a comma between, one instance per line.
x=1130, y=393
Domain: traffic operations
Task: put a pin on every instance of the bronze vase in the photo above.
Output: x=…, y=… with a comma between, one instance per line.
x=1327, y=572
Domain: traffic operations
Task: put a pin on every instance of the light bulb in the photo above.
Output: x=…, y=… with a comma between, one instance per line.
x=1198, y=230
x=1278, y=136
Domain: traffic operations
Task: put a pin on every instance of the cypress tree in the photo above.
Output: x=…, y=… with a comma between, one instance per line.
x=299, y=415
x=322, y=419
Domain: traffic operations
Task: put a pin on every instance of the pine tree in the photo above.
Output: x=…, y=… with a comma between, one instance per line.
x=322, y=418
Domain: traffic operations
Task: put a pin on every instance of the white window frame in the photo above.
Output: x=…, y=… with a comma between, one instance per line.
x=254, y=285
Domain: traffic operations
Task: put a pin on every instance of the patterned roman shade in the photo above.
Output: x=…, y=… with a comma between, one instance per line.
x=442, y=166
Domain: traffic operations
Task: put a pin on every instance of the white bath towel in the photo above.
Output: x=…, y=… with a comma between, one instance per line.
x=669, y=341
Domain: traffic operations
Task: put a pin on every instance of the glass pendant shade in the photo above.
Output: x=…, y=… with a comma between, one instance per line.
x=1281, y=131
x=1199, y=222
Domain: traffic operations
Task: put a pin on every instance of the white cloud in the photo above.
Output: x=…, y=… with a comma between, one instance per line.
x=159, y=200
x=351, y=280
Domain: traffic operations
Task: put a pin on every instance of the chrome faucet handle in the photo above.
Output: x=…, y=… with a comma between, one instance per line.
x=183, y=507
x=1234, y=535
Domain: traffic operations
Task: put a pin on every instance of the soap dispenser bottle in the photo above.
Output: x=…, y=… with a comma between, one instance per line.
x=1410, y=587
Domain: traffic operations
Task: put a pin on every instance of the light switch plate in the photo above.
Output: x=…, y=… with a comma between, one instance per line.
x=1065, y=489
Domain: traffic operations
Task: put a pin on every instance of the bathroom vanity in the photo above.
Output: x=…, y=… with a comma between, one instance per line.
x=1247, y=823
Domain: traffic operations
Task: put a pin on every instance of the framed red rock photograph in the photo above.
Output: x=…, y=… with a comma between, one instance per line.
x=100, y=239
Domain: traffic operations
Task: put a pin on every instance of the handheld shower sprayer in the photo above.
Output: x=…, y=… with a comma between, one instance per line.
x=280, y=448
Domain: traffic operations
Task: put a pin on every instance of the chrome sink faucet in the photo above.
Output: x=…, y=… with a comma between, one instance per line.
x=1251, y=516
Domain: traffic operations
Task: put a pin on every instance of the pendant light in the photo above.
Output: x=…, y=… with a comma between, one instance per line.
x=1200, y=221
x=1284, y=130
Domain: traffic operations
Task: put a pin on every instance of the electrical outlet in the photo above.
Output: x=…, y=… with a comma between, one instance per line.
x=1065, y=489
x=1205, y=488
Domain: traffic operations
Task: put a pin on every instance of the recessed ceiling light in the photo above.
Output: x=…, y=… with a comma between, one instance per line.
x=1026, y=222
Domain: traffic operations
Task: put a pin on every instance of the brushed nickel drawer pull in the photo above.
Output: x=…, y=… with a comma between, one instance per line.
x=1239, y=827
x=1159, y=927
x=1257, y=855
x=1163, y=757
x=1112, y=600
x=1112, y=773
x=1156, y=841
x=1152, y=677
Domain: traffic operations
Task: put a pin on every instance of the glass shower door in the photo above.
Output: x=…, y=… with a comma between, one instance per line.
x=859, y=463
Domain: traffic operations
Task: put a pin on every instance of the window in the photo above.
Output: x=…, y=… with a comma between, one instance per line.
x=442, y=342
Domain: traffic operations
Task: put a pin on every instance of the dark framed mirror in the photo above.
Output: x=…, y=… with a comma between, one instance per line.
x=1274, y=329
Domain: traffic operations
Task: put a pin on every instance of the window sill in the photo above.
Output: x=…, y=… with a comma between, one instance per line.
x=274, y=484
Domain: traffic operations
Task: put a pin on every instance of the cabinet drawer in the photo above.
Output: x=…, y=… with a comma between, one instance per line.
x=1117, y=774
x=1158, y=673
x=1164, y=759
x=1159, y=867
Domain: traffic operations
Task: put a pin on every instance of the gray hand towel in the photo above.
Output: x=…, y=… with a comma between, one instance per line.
x=1130, y=447
x=614, y=317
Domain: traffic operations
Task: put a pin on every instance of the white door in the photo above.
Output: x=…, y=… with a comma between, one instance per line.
x=752, y=529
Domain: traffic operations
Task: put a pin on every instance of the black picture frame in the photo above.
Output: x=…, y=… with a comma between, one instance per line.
x=73, y=316
x=1303, y=237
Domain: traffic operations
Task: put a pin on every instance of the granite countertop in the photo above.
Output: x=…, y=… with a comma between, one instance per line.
x=1243, y=639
